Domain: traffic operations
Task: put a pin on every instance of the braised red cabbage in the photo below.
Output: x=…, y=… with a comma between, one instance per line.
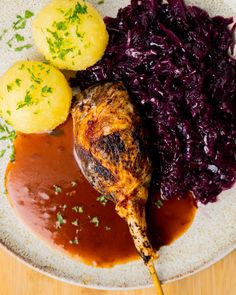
x=175, y=61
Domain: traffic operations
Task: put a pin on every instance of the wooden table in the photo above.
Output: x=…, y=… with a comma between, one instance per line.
x=17, y=279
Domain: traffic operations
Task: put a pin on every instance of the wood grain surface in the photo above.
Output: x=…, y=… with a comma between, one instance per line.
x=18, y=279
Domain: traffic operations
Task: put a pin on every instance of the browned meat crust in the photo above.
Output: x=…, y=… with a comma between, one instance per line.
x=111, y=149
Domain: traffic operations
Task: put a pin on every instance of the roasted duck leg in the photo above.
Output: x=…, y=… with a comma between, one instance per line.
x=111, y=150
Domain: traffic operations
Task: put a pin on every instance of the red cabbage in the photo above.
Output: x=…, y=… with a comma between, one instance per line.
x=174, y=60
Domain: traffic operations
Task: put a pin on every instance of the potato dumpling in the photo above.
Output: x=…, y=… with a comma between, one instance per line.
x=34, y=97
x=70, y=34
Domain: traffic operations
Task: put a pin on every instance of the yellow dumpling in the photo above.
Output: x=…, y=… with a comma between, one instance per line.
x=34, y=97
x=71, y=34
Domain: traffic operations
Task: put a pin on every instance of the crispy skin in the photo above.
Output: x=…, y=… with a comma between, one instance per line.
x=111, y=150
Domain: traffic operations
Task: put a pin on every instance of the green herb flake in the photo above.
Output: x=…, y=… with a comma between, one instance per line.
x=103, y=200
x=78, y=34
x=13, y=154
x=9, y=112
x=78, y=209
x=9, y=42
x=41, y=67
x=61, y=26
x=27, y=46
x=57, y=189
x=100, y=2
x=75, y=222
x=21, y=67
x=73, y=14
x=35, y=79
x=58, y=45
x=28, y=101
x=9, y=88
x=159, y=204
x=74, y=242
x=60, y=220
x=18, y=82
x=19, y=38
x=20, y=23
x=9, y=135
x=95, y=221
x=3, y=34
x=28, y=14
x=2, y=153
x=46, y=89
x=64, y=52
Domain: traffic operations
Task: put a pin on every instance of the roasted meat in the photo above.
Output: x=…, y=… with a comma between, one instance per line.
x=111, y=149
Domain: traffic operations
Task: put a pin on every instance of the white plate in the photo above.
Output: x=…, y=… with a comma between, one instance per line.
x=212, y=235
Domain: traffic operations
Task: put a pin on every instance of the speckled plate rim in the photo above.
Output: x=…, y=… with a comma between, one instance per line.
x=217, y=254
x=29, y=263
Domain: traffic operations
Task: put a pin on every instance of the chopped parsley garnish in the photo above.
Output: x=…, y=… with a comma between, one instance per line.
x=58, y=45
x=28, y=14
x=46, y=89
x=57, y=189
x=73, y=14
x=64, y=52
x=78, y=34
x=74, y=183
x=19, y=24
x=21, y=67
x=13, y=153
x=28, y=101
x=21, y=20
x=35, y=79
x=60, y=220
x=9, y=88
x=41, y=67
x=19, y=38
x=58, y=40
x=18, y=82
x=61, y=26
x=101, y=2
x=103, y=200
x=2, y=153
x=9, y=42
x=75, y=222
x=9, y=136
x=27, y=46
x=94, y=220
x=3, y=34
x=9, y=112
x=75, y=241
x=159, y=204
x=78, y=209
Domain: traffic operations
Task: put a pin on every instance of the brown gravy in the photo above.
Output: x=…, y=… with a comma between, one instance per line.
x=48, y=191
